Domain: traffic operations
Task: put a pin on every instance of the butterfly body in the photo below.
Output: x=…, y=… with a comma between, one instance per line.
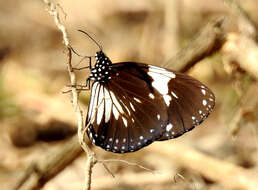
x=101, y=70
x=134, y=104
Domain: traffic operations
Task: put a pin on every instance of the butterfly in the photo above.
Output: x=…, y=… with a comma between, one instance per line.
x=134, y=104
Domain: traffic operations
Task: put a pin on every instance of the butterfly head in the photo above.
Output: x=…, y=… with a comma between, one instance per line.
x=102, y=59
x=101, y=70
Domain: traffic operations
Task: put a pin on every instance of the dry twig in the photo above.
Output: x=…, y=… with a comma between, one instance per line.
x=228, y=174
x=209, y=40
x=91, y=160
x=135, y=180
x=38, y=174
x=128, y=163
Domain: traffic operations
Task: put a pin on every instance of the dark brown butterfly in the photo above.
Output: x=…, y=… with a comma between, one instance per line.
x=134, y=104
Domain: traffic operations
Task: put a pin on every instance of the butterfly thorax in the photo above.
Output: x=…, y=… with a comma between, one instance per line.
x=101, y=70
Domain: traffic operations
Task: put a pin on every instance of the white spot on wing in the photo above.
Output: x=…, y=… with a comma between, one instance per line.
x=108, y=105
x=127, y=110
x=158, y=116
x=115, y=101
x=203, y=91
x=173, y=94
x=167, y=99
x=100, y=108
x=132, y=106
x=93, y=102
x=151, y=95
x=211, y=99
x=115, y=112
x=204, y=102
x=160, y=82
x=156, y=68
x=93, y=90
x=160, y=77
x=125, y=121
x=137, y=100
x=169, y=127
x=162, y=71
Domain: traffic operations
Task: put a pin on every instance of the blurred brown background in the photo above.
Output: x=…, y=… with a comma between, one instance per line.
x=37, y=119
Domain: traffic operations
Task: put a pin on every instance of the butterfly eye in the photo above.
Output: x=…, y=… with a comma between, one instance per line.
x=134, y=104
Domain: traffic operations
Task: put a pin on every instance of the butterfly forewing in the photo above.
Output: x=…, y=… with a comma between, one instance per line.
x=135, y=113
x=135, y=104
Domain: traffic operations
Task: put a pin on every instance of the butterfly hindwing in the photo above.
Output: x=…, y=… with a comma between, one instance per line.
x=192, y=103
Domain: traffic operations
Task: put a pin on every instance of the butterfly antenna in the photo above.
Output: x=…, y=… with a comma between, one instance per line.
x=75, y=51
x=100, y=47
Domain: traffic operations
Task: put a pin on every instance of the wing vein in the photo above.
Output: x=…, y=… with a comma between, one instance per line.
x=139, y=108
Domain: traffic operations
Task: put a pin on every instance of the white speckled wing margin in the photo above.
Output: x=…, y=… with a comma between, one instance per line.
x=191, y=104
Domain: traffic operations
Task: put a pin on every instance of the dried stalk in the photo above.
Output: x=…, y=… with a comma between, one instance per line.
x=209, y=40
x=91, y=160
x=39, y=173
x=223, y=172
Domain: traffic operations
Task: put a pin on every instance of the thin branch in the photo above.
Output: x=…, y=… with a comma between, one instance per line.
x=216, y=170
x=135, y=180
x=208, y=41
x=108, y=170
x=38, y=174
x=91, y=160
x=128, y=163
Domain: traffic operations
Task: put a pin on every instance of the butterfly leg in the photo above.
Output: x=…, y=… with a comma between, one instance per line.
x=88, y=83
x=83, y=57
x=81, y=68
x=79, y=87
